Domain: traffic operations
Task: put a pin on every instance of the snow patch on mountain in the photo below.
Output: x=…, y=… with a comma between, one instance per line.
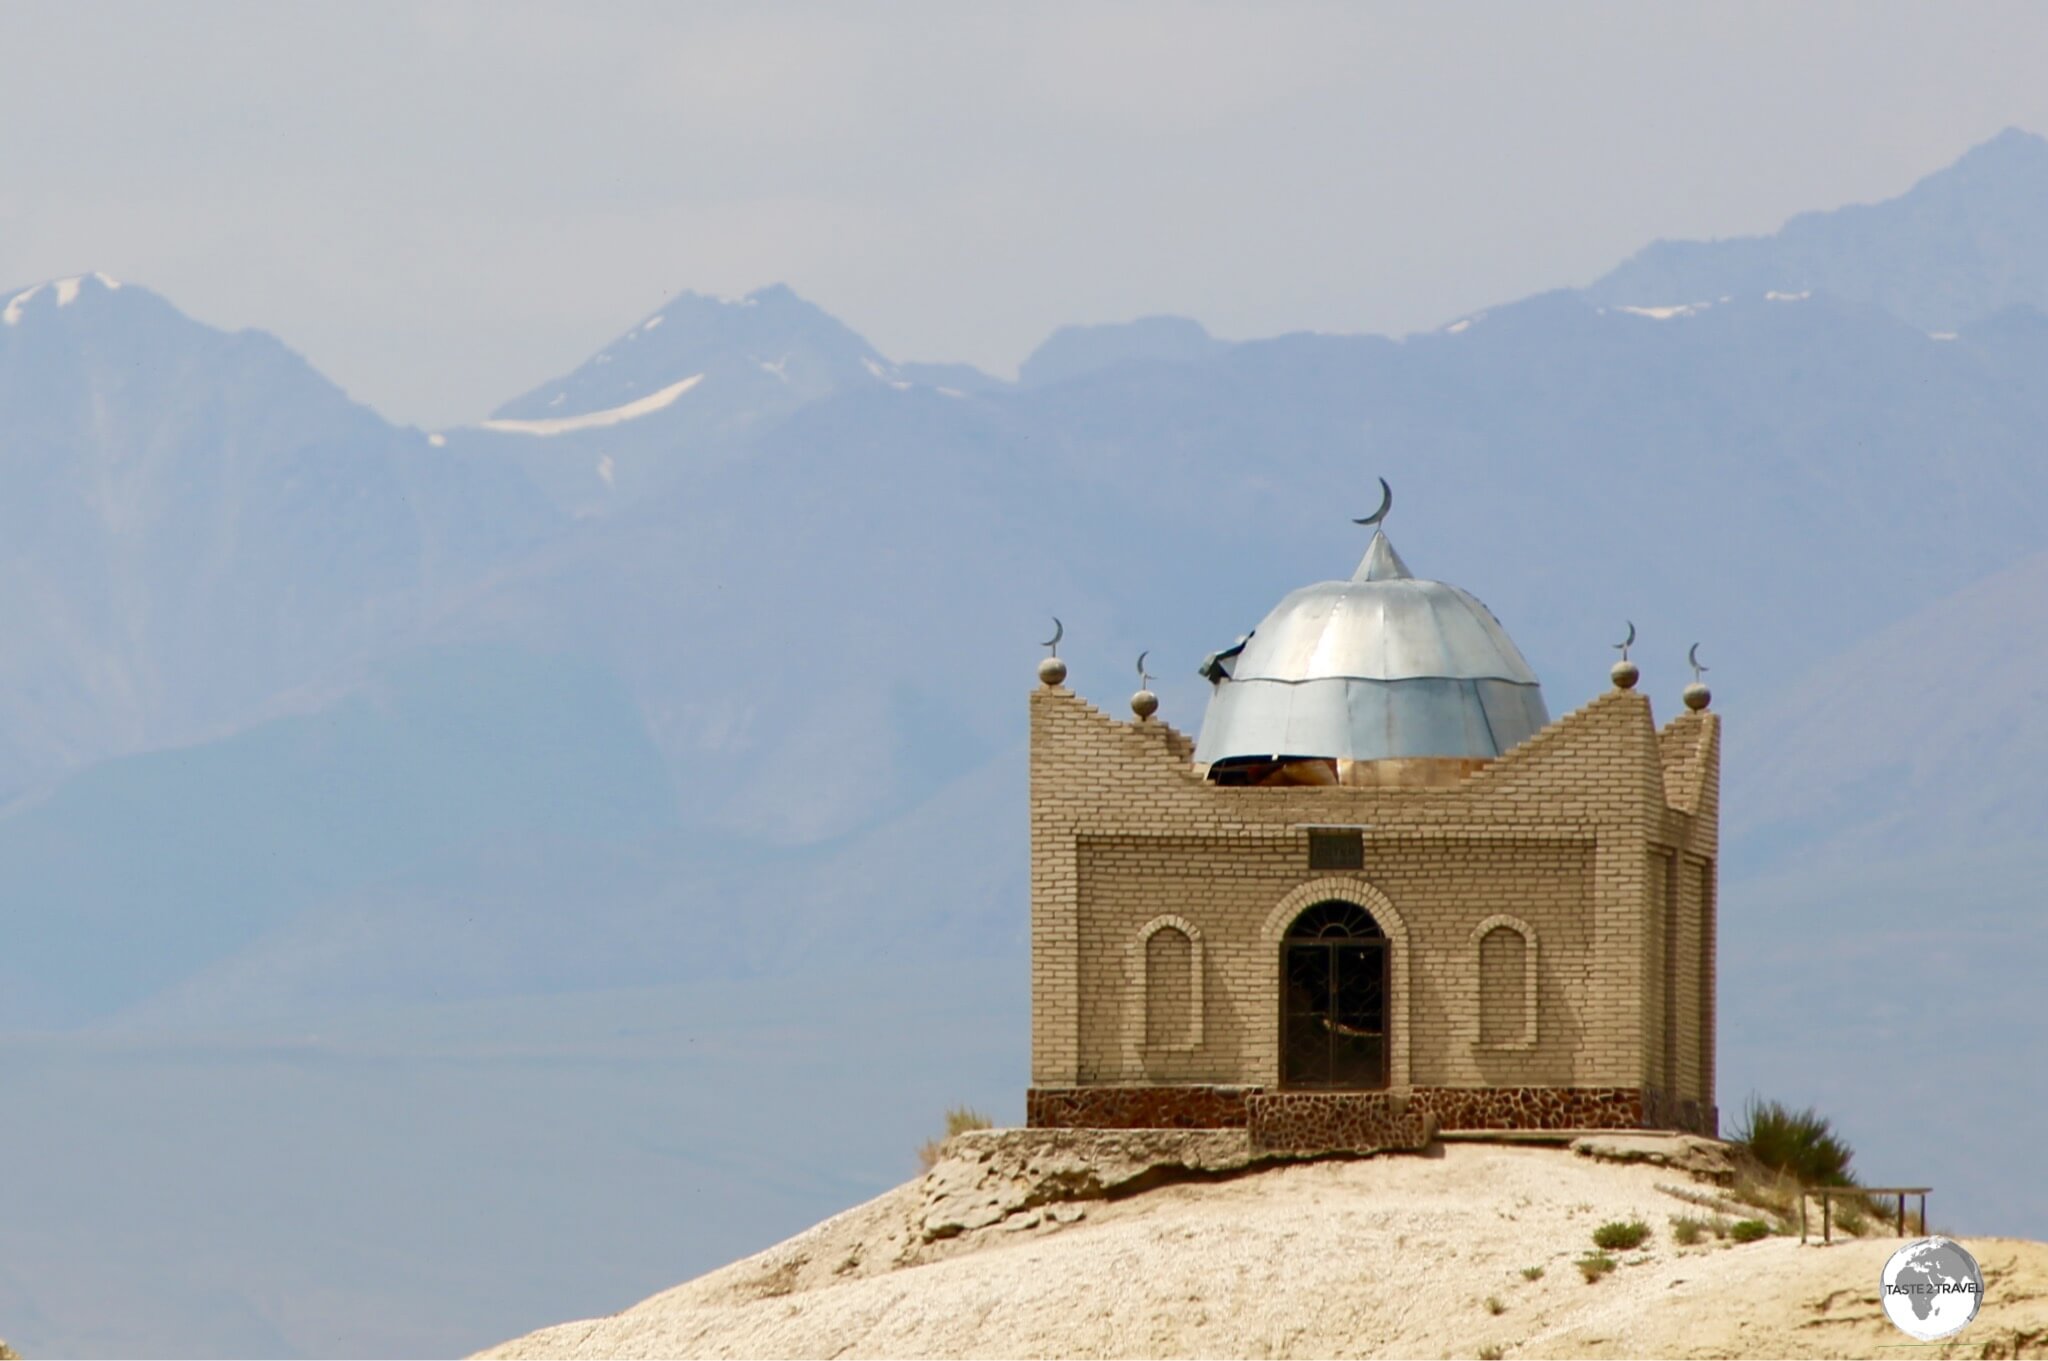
x=1683, y=309
x=886, y=375
x=616, y=415
x=65, y=291
x=12, y=315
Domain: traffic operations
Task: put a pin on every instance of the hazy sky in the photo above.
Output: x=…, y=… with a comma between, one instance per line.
x=442, y=205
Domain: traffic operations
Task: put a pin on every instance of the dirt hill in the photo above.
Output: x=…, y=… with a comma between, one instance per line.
x=1467, y=1251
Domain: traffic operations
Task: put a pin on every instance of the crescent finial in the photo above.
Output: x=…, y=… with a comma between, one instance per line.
x=1625, y=644
x=1386, y=504
x=1059, y=631
x=1693, y=657
x=1143, y=679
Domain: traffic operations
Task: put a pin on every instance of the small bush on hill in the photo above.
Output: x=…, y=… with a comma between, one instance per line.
x=1532, y=1273
x=1688, y=1230
x=959, y=1120
x=1594, y=1265
x=1621, y=1234
x=1749, y=1230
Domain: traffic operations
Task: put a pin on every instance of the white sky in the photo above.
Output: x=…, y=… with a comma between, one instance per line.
x=443, y=205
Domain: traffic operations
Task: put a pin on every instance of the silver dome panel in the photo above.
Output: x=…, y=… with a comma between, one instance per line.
x=1369, y=720
x=1378, y=667
x=1380, y=630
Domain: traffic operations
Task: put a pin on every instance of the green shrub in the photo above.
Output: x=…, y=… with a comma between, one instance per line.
x=1594, y=1265
x=1749, y=1230
x=1621, y=1234
x=1688, y=1230
x=1798, y=1144
x=1532, y=1273
x=959, y=1120
x=1495, y=1306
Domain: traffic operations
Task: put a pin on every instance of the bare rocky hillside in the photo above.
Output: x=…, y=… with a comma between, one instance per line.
x=1469, y=1250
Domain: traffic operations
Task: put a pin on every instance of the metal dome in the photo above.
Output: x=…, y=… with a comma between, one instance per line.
x=1377, y=667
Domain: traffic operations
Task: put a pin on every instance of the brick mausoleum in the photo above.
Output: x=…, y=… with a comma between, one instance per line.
x=1382, y=886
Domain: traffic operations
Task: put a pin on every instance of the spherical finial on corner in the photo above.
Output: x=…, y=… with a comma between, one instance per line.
x=1144, y=704
x=1624, y=672
x=1052, y=670
x=1697, y=695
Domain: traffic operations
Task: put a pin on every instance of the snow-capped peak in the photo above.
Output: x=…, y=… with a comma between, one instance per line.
x=65, y=291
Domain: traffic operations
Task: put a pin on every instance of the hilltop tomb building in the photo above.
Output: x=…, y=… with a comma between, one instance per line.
x=1383, y=891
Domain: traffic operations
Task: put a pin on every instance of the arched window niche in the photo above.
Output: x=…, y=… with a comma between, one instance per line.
x=1504, y=970
x=1167, y=960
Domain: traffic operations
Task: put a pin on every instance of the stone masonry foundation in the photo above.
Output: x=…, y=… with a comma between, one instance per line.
x=1196, y=1106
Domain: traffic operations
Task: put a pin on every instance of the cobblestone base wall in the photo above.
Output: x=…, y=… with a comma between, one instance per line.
x=1188, y=1107
x=1532, y=1107
x=1197, y=1106
x=1694, y=1117
x=1331, y=1122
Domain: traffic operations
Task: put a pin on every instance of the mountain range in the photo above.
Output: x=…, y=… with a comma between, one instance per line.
x=699, y=672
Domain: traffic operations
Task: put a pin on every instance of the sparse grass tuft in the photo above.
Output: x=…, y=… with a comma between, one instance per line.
x=1621, y=1234
x=1688, y=1229
x=1749, y=1230
x=1495, y=1305
x=1777, y=1192
x=1532, y=1273
x=959, y=1120
x=1594, y=1265
x=1492, y=1353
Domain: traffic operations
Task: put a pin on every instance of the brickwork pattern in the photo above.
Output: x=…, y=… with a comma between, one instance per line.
x=1336, y=1122
x=1566, y=834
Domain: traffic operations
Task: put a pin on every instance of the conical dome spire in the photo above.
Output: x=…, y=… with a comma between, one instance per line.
x=1381, y=562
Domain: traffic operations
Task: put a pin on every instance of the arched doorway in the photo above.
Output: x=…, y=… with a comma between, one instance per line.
x=1333, y=999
